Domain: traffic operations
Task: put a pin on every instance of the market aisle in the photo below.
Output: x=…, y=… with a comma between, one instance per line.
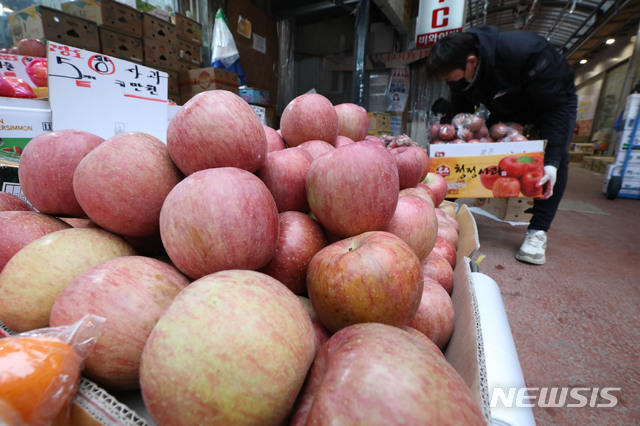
x=575, y=320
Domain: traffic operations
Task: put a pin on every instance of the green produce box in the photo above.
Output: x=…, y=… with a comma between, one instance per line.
x=20, y=121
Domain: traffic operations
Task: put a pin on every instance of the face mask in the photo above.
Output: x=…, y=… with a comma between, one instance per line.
x=458, y=85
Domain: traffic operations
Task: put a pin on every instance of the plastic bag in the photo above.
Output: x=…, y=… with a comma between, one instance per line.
x=224, y=53
x=40, y=371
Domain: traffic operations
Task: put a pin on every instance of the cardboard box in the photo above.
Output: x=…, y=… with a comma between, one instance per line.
x=188, y=29
x=50, y=24
x=121, y=17
x=168, y=15
x=465, y=165
x=20, y=121
x=206, y=78
x=87, y=9
x=379, y=122
x=509, y=209
x=158, y=54
x=189, y=52
x=582, y=148
x=120, y=45
x=255, y=96
x=158, y=29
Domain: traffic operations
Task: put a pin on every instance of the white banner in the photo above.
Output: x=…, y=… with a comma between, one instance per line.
x=438, y=18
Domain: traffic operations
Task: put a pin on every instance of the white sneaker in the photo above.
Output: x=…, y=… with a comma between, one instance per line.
x=533, y=248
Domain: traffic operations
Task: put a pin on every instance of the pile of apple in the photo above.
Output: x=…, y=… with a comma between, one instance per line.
x=247, y=275
x=35, y=53
x=471, y=128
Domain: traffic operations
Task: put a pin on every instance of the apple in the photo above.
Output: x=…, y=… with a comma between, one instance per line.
x=353, y=189
x=148, y=286
x=447, y=132
x=459, y=120
x=449, y=208
x=35, y=276
x=409, y=164
x=434, y=132
x=374, y=374
x=435, y=316
x=322, y=334
x=316, y=147
x=37, y=71
x=488, y=176
x=529, y=183
x=308, y=117
x=474, y=122
x=513, y=165
x=506, y=187
x=438, y=186
x=447, y=218
x=447, y=250
x=10, y=202
x=448, y=232
x=420, y=335
x=6, y=89
x=300, y=238
x=424, y=157
x=233, y=347
x=219, y=218
x=22, y=88
x=46, y=170
x=421, y=191
x=353, y=121
x=371, y=277
x=79, y=222
x=482, y=132
x=498, y=131
x=122, y=183
x=437, y=268
x=415, y=222
x=375, y=139
x=284, y=172
x=20, y=227
x=342, y=140
x=464, y=133
x=32, y=47
x=216, y=128
x=274, y=140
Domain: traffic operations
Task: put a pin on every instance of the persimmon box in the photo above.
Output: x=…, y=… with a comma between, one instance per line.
x=488, y=170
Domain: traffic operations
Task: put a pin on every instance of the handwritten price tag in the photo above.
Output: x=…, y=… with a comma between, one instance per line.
x=104, y=95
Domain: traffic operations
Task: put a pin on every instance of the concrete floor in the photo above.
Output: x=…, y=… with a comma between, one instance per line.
x=576, y=319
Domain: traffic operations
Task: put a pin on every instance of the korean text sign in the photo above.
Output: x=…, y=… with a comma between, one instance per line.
x=438, y=18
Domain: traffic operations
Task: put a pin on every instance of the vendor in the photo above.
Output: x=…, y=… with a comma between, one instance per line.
x=520, y=77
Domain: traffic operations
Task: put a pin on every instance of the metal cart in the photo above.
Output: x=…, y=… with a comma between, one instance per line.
x=618, y=172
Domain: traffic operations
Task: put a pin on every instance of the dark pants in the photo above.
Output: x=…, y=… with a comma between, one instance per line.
x=545, y=210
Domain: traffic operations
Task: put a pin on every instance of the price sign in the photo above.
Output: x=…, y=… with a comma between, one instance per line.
x=104, y=95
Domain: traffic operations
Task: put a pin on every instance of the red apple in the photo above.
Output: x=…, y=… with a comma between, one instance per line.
x=438, y=269
x=421, y=191
x=220, y=218
x=415, y=222
x=435, y=316
x=474, y=122
x=447, y=218
x=372, y=277
x=20, y=227
x=300, y=238
x=284, y=173
x=464, y=133
x=372, y=374
x=316, y=147
x=6, y=89
x=122, y=183
x=308, y=117
x=216, y=128
x=233, y=347
x=434, y=132
x=353, y=121
x=22, y=88
x=34, y=277
x=529, y=183
x=482, y=132
x=506, y=187
x=438, y=186
x=447, y=132
x=420, y=335
x=448, y=232
x=353, y=189
x=342, y=140
x=274, y=140
x=498, y=131
x=425, y=160
x=375, y=139
x=322, y=334
x=537, y=163
x=46, y=170
x=513, y=165
x=488, y=176
x=447, y=250
x=148, y=286
x=37, y=71
x=32, y=47
x=10, y=202
x=410, y=166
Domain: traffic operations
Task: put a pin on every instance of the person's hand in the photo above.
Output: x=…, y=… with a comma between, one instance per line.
x=548, y=181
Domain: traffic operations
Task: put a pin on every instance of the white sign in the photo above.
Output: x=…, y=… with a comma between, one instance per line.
x=104, y=95
x=438, y=18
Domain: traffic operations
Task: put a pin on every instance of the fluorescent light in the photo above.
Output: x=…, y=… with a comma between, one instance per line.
x=610, y=41
x=583, y=61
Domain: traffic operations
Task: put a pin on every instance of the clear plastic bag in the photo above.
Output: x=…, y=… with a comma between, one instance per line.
x=40, y=371
x=224, y=52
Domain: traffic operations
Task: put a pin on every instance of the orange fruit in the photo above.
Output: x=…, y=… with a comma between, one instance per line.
x=38, y=376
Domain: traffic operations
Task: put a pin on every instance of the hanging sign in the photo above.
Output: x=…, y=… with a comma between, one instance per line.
x=438, y=18
x=105, y=95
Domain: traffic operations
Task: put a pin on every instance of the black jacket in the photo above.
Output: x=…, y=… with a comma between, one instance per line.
x=522, y=78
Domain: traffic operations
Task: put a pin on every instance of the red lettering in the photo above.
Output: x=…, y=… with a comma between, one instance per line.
x=440, y=18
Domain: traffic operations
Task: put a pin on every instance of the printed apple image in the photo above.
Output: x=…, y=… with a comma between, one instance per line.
x=529, y=181
x=488, y=176
x=37, y=72
x=506, y=187
x=514, y=166
x=537, y=163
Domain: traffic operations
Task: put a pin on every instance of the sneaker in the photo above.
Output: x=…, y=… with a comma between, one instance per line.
x=533, y=248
